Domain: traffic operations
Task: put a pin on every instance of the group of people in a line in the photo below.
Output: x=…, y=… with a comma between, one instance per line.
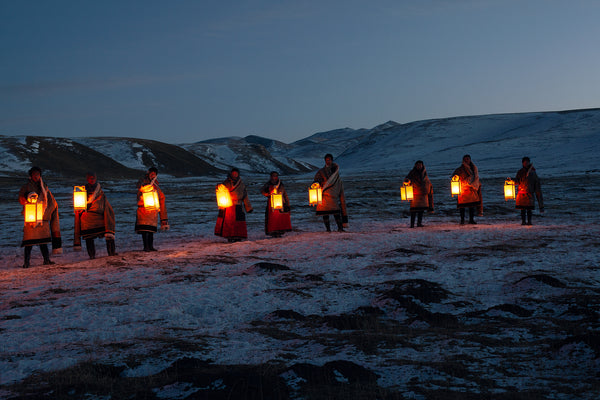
x=97, y=219
x=470, y=196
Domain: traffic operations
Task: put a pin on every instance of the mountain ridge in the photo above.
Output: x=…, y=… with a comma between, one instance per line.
x=554, y=139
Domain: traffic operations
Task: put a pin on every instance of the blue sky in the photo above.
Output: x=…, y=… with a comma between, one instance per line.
x=184, y=71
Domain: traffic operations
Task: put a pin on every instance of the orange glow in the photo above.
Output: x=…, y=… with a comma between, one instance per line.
x=406, y=192
x=79, y=198
x=276, y=200
x=223, y=197
x=34, y=213
x=150, y=198
x=315, y=194
x=455, y=186
x=509, y=189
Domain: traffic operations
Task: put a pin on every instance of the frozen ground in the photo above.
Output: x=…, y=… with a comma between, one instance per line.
x=495, y=310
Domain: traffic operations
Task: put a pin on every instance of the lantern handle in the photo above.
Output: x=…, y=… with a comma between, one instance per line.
x=32, y=197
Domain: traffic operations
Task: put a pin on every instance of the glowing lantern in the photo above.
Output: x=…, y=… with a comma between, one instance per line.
x=34, y=212
x=276, y=200
x=223, y=197
x=79, y=198
x=406, y=191
x=455, y=185
x=150, y=198
x=315, y=194
x=509, y=189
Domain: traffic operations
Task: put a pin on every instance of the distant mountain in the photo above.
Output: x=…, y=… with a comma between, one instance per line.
x=562, y=142
x=140, y=154
x=114, y=157
x=313, y=148
x=557, y=142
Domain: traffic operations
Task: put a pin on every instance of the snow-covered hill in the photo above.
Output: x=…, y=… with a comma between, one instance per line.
x=557, y=142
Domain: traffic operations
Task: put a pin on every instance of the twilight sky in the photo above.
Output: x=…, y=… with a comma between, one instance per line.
x=183, y=71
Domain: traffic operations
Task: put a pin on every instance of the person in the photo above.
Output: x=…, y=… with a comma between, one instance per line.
x=146, y=221
x=469, y=185
x=231, y=221
x=96, y=221
x=529, y=188
x=422, y=193
x=46, y=231
x=277, y=222
x=333, y=199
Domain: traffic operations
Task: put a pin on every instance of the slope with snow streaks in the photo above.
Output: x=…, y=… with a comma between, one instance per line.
x=142, y=154
x=555, y=141
x=247, y=154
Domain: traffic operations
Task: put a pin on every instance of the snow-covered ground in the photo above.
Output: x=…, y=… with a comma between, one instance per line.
x=492, y=309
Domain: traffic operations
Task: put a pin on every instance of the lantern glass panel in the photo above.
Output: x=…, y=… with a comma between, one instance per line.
x=40, y=211
x=31, y=212
x=276, y=201
x=509, y=190
x=223, y=197
x=406, y=192
x=150, y=198
x=455, y=186
x=79, y=198
x=315, y=194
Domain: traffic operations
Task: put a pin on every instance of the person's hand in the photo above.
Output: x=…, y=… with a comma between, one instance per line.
x=32, y=197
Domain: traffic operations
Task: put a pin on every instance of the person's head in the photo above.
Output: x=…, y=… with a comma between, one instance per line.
x=419, y=165
x=91, y=178
x=328, y=159
x=467, y=159
x=35, y=173
x=235, y=173
x=526, y=162
x=274, y=176
x=152, y=172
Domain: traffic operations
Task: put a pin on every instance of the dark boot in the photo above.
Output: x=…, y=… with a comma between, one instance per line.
x=90, y=246
x=462, y=216
x=27, y=257
x=45, y=254
x=145, y=240
x=151, y=242
x=529, y=214
x=327, y=223
x=338, y=221
x=412, y=219
x=420, y=219
x=523, y=213
x=110, y=247
x=472, y=215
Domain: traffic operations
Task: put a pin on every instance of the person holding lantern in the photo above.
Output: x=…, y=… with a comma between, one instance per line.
x=422, y=193
x=529, y=188
x=469, y=196
x=97, y=220
x=277, y=213
x=44, y=227
x=333, y=199
x=149, y=211
x=231, y=221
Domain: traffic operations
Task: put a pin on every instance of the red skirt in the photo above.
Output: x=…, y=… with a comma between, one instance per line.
x=231, y=222
x=277, y=221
